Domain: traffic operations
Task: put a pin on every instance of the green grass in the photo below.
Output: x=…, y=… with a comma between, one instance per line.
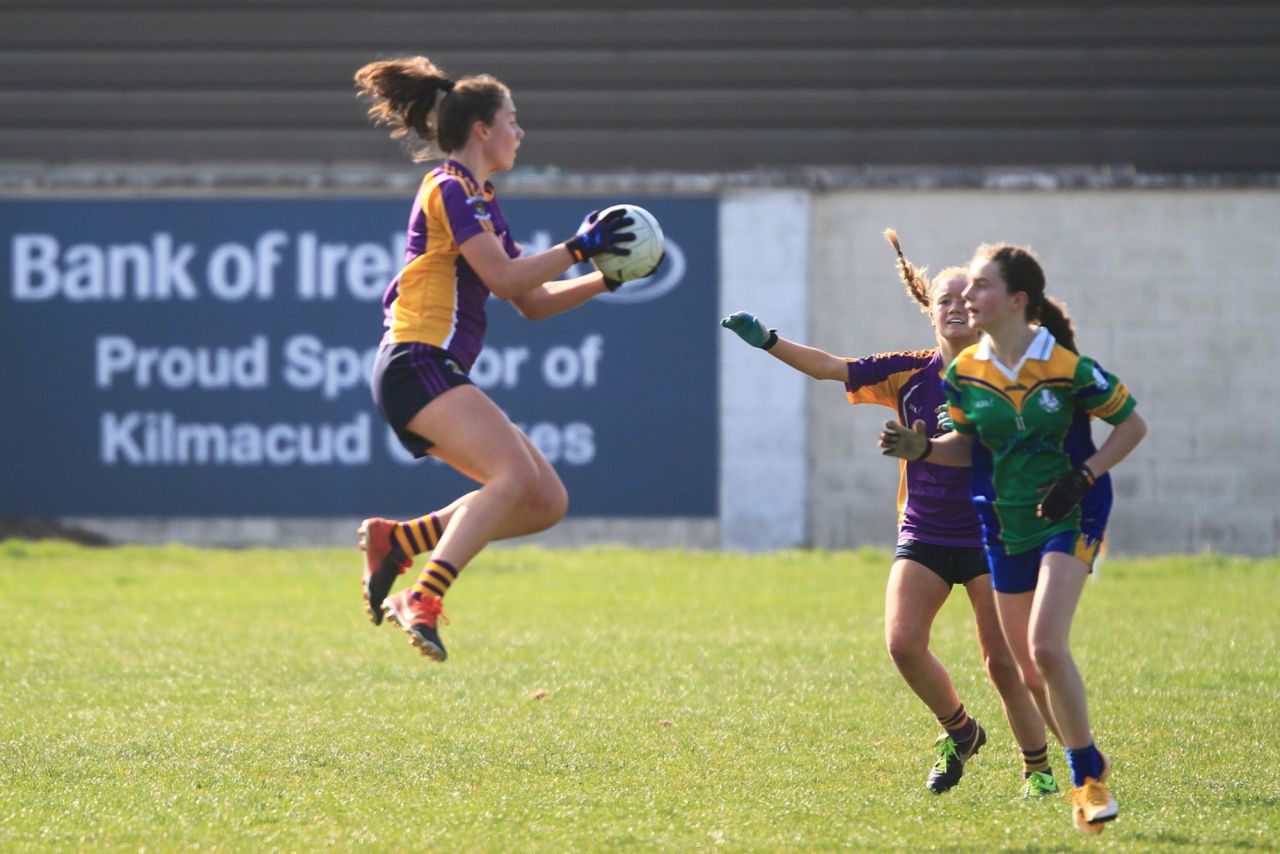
x=173, y=698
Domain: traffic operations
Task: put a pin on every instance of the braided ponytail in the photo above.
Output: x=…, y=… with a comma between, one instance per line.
x=917, y=287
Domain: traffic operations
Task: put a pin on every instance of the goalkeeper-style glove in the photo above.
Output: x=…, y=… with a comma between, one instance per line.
x=749, y=328
x=597, y=235
x=911, y=445
x=1063, y=493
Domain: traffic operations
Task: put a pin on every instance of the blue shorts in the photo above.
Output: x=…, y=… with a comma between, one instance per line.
x=406, y=377
x=953, y=564
x=1019, y=572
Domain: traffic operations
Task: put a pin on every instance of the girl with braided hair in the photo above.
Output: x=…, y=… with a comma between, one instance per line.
x=459, y=251
x=1021, y=400
x=939, y=536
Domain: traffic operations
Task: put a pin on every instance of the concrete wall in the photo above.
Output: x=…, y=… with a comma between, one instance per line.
x=1174, y=291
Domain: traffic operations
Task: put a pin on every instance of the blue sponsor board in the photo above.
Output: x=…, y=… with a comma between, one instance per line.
x=176, y=357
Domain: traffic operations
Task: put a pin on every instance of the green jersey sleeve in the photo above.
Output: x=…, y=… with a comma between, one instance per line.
x=1100, y=392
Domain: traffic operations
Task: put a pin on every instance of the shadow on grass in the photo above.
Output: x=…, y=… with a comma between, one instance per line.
x=43, y=528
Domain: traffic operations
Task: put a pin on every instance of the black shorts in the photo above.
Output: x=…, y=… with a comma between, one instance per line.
x=406, y=377
x=953, y=564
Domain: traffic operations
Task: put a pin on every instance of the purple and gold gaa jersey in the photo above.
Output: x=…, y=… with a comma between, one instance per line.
x=437, y=298
x=934, y=504
x=1030, y=425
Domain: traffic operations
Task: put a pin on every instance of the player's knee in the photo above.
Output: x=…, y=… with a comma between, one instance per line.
x=905, y=649
x=1032, y=679
x=1002, y=670
x=517, y=486
x=549, y=501
x=541, y=498
x=1050, y=658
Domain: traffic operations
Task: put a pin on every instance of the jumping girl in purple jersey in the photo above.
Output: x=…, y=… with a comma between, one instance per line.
x=939, y=535
x=459, y=251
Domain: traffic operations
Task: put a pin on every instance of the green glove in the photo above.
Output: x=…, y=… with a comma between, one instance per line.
x=908, y=443
x=749, y=328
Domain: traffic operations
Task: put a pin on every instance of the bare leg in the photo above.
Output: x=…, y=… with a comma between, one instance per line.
x=520, y=494
x=1015, y=617
x=1062, y=580
x=1024, y=716
x=912, y=601
x=525, y=519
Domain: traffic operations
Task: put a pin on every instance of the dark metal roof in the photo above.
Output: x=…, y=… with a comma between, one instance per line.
x=703, y=85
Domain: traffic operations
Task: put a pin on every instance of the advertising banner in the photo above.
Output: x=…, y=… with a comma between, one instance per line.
x=188, y=357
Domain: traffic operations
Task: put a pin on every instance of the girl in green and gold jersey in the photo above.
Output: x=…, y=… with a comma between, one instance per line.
x=1021, y=400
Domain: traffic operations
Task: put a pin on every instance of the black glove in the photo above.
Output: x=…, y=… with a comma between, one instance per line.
x=614, y=284
x=1063, y=493
x=597, y=235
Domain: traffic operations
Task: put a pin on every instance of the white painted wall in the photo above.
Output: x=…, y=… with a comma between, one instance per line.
x=764, y=264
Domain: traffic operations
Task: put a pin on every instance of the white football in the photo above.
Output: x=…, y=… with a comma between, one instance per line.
x=646, y=249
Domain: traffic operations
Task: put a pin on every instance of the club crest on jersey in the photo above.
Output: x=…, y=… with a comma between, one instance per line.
x=477, y=205
x=1049, y=401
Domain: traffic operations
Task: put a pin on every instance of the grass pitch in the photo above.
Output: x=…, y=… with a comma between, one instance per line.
x=611, y=699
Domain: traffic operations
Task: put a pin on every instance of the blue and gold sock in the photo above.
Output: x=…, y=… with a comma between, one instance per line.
x=962, y=728
x=416, y=536
x=1084, y=762
x=434, y=579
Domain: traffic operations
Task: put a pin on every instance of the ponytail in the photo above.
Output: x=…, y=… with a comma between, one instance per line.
x=1054, y=317
x=917, y=287
x=414, y=97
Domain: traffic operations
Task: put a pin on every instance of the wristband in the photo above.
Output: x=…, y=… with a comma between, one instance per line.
x=770, y=341
x=928, y=449
x=611, y=284
x=1089, y=479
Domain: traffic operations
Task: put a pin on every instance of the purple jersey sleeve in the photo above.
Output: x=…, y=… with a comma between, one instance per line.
x=467, y=215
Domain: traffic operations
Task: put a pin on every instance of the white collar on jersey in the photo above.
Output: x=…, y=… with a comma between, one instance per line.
x=1041, y=347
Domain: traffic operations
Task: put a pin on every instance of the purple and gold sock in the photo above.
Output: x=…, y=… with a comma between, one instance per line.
x=416, y=536
x=435, y=578
x=1036, y=760
x=962, y=728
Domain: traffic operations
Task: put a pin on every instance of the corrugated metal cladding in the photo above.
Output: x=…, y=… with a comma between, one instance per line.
x=661, y=85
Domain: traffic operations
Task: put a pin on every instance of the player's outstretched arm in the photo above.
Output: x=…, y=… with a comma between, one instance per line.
x=949, y=449
x=818, y=364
